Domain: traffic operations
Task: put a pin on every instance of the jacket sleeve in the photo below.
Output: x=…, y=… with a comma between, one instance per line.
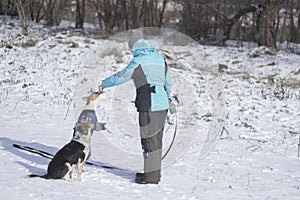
x=123, y=75
x=168, y=84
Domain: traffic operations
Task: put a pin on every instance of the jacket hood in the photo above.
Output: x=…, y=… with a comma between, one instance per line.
x=144, y=47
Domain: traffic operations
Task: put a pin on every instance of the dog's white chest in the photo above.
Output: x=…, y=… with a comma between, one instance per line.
x=85, y=141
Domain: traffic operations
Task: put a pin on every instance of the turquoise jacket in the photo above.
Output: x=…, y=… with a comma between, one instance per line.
x=151, y=77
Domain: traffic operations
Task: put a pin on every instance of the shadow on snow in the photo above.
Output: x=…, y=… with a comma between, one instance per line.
x=7, y=144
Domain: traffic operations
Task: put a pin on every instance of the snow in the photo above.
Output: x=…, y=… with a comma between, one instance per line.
x=256, y=97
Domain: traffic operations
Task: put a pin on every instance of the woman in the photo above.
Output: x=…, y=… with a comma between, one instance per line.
x=151, y=78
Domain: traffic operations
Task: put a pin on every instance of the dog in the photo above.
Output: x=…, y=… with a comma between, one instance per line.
x=78, y=150
x=89, y=115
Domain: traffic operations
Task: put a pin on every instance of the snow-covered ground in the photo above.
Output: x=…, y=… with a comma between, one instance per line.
x=254, y=92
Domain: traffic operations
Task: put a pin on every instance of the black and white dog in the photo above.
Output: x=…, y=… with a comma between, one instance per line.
x=78, y=150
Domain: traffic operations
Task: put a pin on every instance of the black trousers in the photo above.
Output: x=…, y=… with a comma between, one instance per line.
x=151, y=131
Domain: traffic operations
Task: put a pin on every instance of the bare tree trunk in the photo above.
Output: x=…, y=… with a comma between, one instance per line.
x=31, y=10
x=80, y=13
x=230, y=21
x=22, y=16
x=113, y=20
x=133, y=15
x=4, y=5
x=293, y=31
x=54, y=11
x=125, y=14
x=99, y=8
x=161, y=15
x=267, y=36
x=109, y=15
x=39, y=14
x=49, y=12
x=136, y=13
x=144, y=13
x=276, y=26
x=298, y=29
x=283, y=29
x=187, y=14
x=151, y=12
x=118, y=20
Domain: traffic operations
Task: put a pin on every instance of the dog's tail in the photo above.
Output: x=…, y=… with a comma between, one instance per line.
x=46, y=176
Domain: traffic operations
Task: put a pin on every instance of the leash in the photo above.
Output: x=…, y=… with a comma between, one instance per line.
x=175, y=131
x=50, y=156
x=34, y=151
x=173, y=139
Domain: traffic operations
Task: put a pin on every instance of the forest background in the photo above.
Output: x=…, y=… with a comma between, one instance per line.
x=215, y=22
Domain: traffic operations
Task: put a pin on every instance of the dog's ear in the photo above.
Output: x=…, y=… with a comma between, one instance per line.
x=76, y=125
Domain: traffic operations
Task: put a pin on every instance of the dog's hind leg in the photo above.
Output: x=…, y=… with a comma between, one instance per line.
x=80, y=168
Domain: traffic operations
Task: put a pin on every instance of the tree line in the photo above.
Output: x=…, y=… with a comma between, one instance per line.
x=265, y=22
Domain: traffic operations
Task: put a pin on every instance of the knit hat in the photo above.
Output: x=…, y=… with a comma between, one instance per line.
x=134, y=37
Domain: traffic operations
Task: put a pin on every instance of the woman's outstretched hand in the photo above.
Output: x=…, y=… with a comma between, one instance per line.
x=100, y=90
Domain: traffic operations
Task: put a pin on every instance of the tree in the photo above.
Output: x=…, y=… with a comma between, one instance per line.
x=217, y=21
x=50, y=12
x=266, y=23
x=209, y=22
x=298, y=30
x=54, y=11
x=294, y=31
x=36, y=10
x=22, y=16
x=80, y=13
x=230, y=21
x=7, y=7
x=125, y=14
x=161, y=15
